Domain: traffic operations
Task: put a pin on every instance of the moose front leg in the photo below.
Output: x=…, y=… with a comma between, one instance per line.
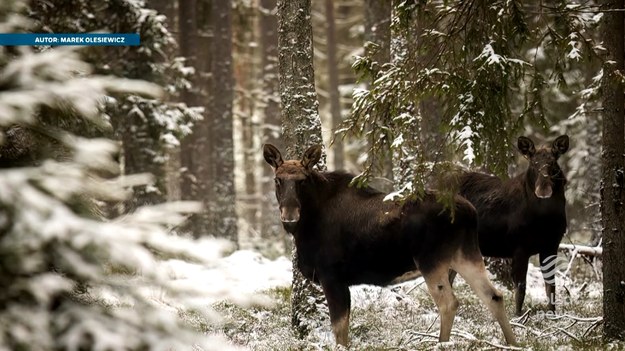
x=339, y=303
x=519, y=278
x=548, y=265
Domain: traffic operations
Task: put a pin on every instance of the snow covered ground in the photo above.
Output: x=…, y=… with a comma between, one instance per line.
x=401, y=316
x=235, y=277
x=248, y=272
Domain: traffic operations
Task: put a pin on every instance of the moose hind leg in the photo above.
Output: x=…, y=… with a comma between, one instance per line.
x=437, y=281
x=474, y=273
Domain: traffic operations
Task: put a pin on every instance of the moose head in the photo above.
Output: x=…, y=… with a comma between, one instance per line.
x=290, y=178
x=543, y=163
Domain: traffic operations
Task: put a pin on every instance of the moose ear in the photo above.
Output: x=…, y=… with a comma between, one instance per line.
x=272, y=155
x=311, y=156
x=560, y=145
x=526, y=146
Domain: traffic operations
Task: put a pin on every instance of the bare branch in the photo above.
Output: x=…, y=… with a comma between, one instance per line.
x=582, y=249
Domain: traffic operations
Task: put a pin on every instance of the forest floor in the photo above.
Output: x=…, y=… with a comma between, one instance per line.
x=404, y=317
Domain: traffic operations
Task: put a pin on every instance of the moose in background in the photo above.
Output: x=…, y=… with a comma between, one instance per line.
x=523, y=216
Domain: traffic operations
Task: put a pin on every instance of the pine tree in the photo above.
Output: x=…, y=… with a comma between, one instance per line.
x=481, y=64
x=147, y=128
x=56, y=262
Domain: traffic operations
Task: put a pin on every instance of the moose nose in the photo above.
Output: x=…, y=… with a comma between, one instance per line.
x=542, y=188
x=289, y=218
x=543, y=192
x=289, y=214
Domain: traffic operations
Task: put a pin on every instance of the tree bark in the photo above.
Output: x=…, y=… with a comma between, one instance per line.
x=378, y=32
x=301, y=126
x=247, y=76
x=333, y=85
x=195, y=45
x=612, y=157
x=187, y=28
x=408, y=152
x=271, y=130
x=222, y=201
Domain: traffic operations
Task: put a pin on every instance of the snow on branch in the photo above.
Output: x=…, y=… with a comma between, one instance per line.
x=593, y=251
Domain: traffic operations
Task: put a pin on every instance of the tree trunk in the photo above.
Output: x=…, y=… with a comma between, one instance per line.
x=247, y=75
x=433, y=139
x=378, y=32
x=272, y=130
x=202, y=151
x=172, y=163
x=195, y=157
x=301, y=126
x=221, y=203
x=407, y=153
x=333, y=85
x=612, y=157
x=187, y=27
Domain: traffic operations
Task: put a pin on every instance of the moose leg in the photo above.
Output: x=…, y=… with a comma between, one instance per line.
x=474, y=273
x=548, y=265
x=339, y=303
x=437, y=281
x=519, y=278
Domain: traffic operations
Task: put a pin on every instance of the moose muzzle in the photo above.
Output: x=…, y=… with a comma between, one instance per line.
x=543, y=188
x=289, y=217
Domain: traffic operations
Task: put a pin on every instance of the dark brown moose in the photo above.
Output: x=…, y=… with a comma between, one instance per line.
x=523, y=216
x=346, y=235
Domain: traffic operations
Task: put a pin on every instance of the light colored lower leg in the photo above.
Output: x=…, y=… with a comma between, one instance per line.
x=340, y=328
x=474, y=273
x=440, y=289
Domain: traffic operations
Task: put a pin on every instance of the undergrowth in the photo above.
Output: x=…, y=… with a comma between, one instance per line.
x=404, y=317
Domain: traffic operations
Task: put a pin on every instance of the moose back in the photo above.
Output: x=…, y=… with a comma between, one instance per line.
x=346, y=235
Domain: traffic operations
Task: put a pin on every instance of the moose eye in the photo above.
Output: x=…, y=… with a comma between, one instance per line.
x=277, y=181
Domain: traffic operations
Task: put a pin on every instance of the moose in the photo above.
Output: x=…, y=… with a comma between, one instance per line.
x=347, y=235
x=523, y=216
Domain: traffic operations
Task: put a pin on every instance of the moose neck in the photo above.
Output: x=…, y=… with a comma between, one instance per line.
x=322, y=186
x=314, y=193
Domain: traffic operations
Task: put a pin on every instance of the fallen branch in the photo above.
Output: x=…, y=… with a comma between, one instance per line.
x=592, y=326
x=518, y=325
x=569, y=334
x=523, y=318
x=472, y=337
x=593, y=251
x=575, y=318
